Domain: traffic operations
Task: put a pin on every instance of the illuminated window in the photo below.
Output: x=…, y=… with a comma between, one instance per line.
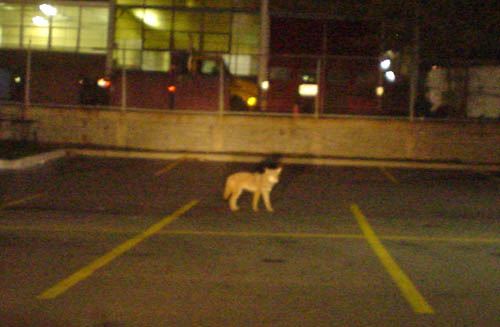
x=128, y=30
x=216, y=42
x=217, y=22
x=64, y=25
x=164, y=29
x=245, y=34
x=186, y=21
x=128, y=58
x=35, y=35
x=241, y=65
x=157, y=35
x=156, y=60
x=186, y=41
x=94, y=30
x=10, y=24
x=57, y=27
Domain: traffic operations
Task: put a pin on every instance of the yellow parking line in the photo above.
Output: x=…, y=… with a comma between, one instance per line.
x=85, y=272
x=169, y=167
x=14, y=203
x=388, y=175
x=412, y=295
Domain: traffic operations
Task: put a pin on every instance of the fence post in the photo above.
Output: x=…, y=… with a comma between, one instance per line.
x=319, y=94
x=111, y=39
x=124, y=88
x=27, y=84
x=221, y=86
x=415, y=65
x=264, y=52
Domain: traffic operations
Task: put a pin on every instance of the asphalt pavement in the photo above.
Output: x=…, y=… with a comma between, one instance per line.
x=94, y=241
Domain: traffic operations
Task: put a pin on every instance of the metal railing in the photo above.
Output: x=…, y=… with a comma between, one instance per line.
x=306, y=86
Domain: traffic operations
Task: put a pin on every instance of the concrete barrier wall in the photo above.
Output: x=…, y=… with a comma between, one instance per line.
x=349, y=138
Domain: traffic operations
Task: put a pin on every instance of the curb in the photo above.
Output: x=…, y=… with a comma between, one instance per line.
x=41, y=159
x=323, y=161
x=31, y=161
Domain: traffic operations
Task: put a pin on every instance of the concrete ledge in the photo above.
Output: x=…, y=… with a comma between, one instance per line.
x=41, y=159
x=31, y=161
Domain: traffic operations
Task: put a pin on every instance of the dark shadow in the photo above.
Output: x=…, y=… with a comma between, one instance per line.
x=272, y=161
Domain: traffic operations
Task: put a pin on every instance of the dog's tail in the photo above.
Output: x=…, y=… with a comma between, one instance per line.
x=227, y=190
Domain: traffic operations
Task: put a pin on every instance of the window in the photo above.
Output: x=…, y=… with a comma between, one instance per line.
x=174, y=26
x=245, y=34
x=94, y=30
x=186, y=41
x=71, y=28
x=128, y=30
x=187, y=21
x=64, y=28
x=156, y=60
x=157, y=30
x=241, y=65
x=216, y=42
x=10, y=24
x=217, y=22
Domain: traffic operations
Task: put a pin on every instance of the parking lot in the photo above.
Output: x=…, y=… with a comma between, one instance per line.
x=87, y=241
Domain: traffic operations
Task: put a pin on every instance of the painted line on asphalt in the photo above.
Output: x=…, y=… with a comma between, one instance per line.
x=17, y=202
x=389, y=176
x=85, y=272
x=170, y=167
x=110, y=230
x=410, y=292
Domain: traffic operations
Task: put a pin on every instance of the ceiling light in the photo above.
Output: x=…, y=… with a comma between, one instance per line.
x=40, y=21
x=48, y=9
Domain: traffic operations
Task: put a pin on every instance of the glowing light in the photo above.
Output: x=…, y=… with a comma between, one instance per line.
x=148, y=17
x=390, y=76
x=104, y=83
x=40, y=21
x=252, y=101
x=379, y=90
x=385, y=64
x=308, y=90
x=171, y=88
x=265, y=85
x=48, y=9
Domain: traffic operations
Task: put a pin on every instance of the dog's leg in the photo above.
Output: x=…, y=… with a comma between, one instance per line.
x=267, y=201
x=234, y=199
x=255, y=202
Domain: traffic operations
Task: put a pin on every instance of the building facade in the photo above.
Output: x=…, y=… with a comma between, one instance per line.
x=139, y=34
